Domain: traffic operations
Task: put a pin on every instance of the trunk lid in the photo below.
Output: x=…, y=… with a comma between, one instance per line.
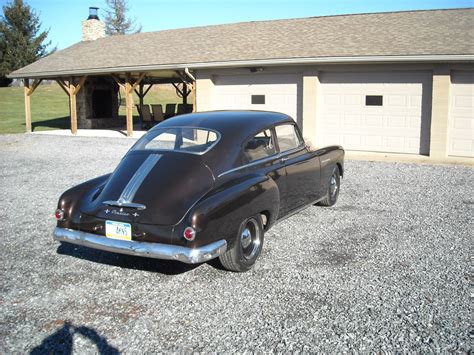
x=152, y=187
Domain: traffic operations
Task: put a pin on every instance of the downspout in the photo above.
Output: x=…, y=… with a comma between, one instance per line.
x=186, y=70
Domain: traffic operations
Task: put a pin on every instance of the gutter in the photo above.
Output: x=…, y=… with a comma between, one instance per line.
x=437, y=58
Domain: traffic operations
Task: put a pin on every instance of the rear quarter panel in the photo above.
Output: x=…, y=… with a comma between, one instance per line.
x=71, y=200
x=220, y=213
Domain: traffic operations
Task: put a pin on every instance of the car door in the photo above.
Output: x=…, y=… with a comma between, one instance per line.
x=301, y=165
x=261, y=152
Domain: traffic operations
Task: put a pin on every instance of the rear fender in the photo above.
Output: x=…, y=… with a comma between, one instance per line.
x=219, y=215
x=71, y=200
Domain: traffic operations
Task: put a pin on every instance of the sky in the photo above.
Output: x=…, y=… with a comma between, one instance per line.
x=63, y=17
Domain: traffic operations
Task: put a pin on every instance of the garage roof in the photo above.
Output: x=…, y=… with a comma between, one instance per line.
x=433, y=35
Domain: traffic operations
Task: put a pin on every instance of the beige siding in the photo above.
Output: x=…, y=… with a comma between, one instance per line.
x=461, y=115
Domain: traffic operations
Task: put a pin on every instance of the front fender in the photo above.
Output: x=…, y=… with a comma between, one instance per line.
x=71, y=200
x=220, y=213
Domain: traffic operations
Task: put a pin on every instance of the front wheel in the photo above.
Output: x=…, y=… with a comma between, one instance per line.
x=333, y=189
x=247, y=248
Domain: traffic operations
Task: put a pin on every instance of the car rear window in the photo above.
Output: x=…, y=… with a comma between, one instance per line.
x=183, y=139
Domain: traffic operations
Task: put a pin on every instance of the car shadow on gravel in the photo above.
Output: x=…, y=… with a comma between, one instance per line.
x=167, y=267
x=62, y=341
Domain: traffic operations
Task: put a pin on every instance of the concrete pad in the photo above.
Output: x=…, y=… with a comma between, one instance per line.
x=408, y=158
x=109, y=133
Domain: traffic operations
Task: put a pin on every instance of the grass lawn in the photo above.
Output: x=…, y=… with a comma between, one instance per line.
x=50, y=107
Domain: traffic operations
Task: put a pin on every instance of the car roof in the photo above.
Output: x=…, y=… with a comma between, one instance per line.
x=234, y=128
x=236, y=123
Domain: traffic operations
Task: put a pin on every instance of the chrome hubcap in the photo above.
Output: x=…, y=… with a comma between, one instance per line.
x=333, y=186
x=250, y=239
x=246, y=238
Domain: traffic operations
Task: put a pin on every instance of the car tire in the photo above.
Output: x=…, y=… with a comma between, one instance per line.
x=247, y=247
x=334, y=187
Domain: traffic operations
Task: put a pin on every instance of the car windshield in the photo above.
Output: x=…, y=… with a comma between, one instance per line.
x=182, y=139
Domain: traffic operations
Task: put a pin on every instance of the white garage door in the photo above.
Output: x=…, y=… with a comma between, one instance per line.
x=268, y=92
x=461, y=118
x=382, y=112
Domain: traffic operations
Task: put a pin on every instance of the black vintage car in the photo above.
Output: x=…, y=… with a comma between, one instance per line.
x=202, y=186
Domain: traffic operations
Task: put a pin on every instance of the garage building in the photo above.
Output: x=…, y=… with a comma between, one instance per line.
x=397, y=83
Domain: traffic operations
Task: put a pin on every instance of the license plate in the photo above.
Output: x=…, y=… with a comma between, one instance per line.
x=118, y=230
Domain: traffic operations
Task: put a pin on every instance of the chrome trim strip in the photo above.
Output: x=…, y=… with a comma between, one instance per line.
x=130, y=190
x=256, y=162
x=263, y=160
x=128, y=193
x=137, y=206
x=149, y=250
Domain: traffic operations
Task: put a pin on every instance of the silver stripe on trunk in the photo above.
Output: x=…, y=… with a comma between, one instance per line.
x=128, y=193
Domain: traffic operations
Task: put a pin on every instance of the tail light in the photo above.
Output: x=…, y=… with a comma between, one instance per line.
x=59, y=214
x=189, y=234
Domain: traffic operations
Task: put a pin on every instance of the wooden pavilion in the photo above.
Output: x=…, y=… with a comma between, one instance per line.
x=139, y=83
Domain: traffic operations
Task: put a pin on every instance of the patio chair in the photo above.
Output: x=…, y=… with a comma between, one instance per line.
x=170, y=110
x=157, y=113
x=189, y=108
x=145, y=116
x=181, y=109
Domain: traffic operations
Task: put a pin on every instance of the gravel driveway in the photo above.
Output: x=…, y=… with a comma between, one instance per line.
x=388, y=268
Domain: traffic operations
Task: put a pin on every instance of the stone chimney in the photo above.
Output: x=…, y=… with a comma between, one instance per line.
x=93, y=27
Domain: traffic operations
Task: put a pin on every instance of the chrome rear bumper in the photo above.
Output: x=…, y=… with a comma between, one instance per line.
x=150, y=250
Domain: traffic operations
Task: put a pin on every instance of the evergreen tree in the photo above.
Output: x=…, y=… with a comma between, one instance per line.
x=21, y=41
x=116, y=21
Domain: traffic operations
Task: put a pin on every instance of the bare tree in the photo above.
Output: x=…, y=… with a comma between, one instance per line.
x=116, y=20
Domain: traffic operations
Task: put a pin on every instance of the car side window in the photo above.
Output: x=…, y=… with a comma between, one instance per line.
x=260, y=146
x=287, y=137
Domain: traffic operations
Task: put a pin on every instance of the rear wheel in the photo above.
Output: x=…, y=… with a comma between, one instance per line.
x=247, y=248
x=333, y=189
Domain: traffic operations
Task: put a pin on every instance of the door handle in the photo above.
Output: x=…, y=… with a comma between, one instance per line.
x=283, y=159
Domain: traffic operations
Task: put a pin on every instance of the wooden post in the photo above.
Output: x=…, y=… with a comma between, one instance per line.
x=128, y=88
x=193, y=90
x=188, y=87
x=129, y=104
x=141, y=96
x=72, y=90
x=73, y=107
x=141, y=93
x=185, y=93
x=28, y=91
x=129, y=101
x=27, y=106
x=125, y=88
